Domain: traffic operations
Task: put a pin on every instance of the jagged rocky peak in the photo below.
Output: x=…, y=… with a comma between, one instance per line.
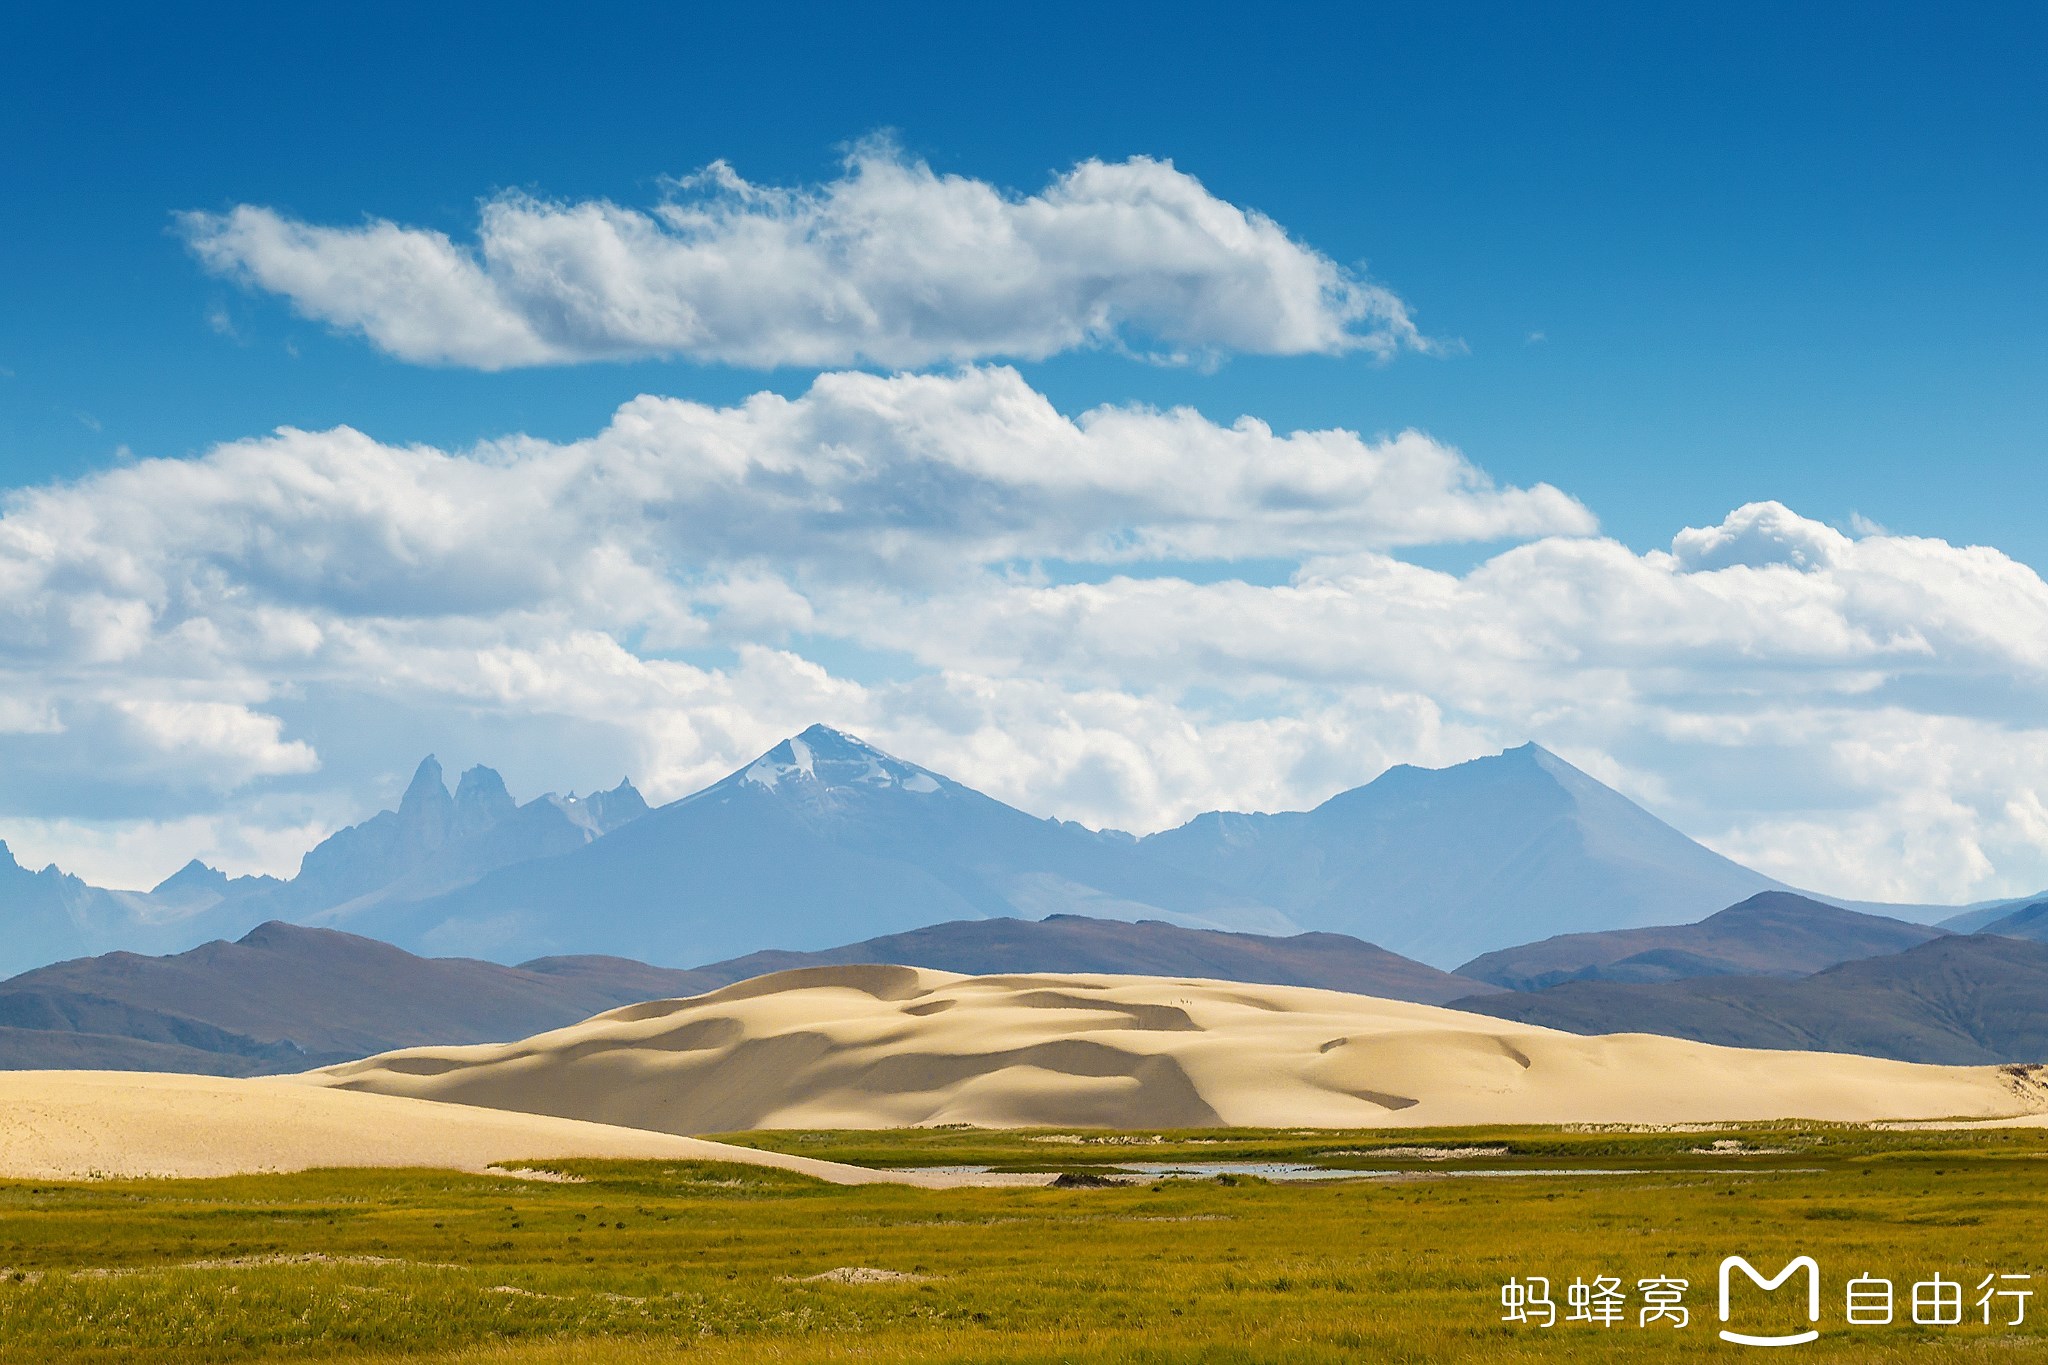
x=481, y=801
x=600, y=812
x=822, y=758
x=618, y=806
x=426, y=804
x=432, y=817
x=8, y=863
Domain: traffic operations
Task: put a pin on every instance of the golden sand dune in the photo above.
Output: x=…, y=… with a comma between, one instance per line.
x=858, y=1047
x=74, y=1125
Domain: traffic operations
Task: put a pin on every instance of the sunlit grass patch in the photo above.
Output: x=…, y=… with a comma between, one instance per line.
x=707, y=1262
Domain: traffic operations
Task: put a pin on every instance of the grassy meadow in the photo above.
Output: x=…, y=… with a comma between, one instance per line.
x=657, y=1261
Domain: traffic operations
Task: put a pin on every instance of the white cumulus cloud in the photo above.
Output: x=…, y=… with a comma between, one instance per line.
x=191, y=625
x=262, y=636
x=1757, y=535
x=891, y=264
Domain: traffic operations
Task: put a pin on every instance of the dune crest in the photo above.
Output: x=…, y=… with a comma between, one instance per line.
x=866, y=1047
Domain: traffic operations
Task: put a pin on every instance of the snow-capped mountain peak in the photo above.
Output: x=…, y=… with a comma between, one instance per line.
x=823, y=759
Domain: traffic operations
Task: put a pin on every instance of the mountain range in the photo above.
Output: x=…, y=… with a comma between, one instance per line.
x=826, y=840
x=1960, y=999
x=1773, y=933
x=435, y=840
x=1076, y=943
x=1443, y=864
x=285, y=997
x=821, y=840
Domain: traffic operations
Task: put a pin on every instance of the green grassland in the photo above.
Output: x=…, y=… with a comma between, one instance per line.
x=659, y=1261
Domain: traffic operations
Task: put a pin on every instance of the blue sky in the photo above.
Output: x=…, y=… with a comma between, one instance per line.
x=1671, y=264
x=1787, y=252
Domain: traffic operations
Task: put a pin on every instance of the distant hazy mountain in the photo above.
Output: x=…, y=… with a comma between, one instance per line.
x=1444, y=864
x=433, y=842
x=1074, y=943
x=284, y=998
x=1773, y=933
x=1959, y=999
x=2030, y=921
x=820, y=840
x=826, y=840
x=50, y=915
x=195, y=887
x=1981, y=915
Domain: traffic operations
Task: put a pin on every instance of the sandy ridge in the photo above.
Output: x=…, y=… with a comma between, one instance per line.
x=882, y=1046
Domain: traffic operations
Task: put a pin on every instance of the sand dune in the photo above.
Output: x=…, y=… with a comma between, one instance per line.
x=75, y=1125
x=877, y=1046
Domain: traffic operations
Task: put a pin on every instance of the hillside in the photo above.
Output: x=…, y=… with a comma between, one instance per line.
x=1961, y=999
x=1773, y=933
x=286, y=997
x=2030, y=921
x=1073, y=943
